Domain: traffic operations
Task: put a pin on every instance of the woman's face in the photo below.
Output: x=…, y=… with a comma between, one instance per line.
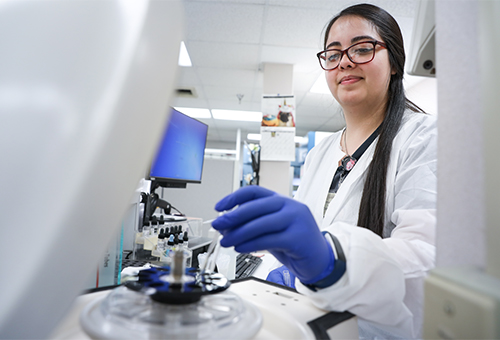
x=358, y=85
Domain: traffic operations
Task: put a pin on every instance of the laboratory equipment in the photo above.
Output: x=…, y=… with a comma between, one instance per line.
x=177, y=302
x=180, y=303
x=422, y=53
x=246, y=264
x=179, y=160
x=171, y=302
x=151, y=246
x=282, y=276
x=83, y=93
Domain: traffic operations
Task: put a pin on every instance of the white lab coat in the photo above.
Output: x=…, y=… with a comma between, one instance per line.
x=383, y=283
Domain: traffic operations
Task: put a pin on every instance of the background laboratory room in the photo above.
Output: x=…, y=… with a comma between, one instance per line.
x=249, y=169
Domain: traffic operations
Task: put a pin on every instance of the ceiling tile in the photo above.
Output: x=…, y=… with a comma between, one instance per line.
x=187, y=77
x=398, y=8
x=258, y=2
x=318, y=4
x=294, y=27
x=224, y=55
x=223, y=21
x=303, y=59
x=302, y=81
x=234, y=105
x=226, y=78
x=229, y=93
x=189, y=102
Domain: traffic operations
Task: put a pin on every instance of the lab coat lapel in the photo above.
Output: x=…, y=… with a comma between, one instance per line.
x=315, y=188
x=346, y=187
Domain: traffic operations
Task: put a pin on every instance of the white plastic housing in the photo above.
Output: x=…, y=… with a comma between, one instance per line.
x=84, y=89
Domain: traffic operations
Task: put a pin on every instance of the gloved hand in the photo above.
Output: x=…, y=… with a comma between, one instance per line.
x=286, y=228
x=282, y=276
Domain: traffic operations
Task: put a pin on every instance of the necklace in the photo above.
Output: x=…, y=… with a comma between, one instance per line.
x=347, y=162
x=345, y=142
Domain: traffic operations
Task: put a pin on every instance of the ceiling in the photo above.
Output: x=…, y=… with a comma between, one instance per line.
x=230, y=41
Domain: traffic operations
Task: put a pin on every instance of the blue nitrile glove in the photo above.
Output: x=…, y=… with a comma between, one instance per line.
x=282, y=276
x=286, y=228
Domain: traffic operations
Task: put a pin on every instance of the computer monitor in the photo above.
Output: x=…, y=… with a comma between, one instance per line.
x=179, y=159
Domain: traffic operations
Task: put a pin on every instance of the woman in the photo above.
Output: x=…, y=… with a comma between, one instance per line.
x=375, y=206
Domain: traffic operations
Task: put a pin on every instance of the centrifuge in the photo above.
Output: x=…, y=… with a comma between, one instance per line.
x=186, y=303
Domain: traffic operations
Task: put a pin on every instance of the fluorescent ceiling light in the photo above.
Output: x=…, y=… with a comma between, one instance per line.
x=320, y=86
x=195, y=113
x=247, y=116
x=184, y=59
x=297, y=139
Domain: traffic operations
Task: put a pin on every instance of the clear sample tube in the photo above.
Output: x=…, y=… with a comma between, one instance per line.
x=286, y=278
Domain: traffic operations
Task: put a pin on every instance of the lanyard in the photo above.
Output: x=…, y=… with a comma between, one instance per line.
x=348, y=162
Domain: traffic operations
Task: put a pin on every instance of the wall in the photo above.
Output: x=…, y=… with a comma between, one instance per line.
x=220, y=145
x=198, y=200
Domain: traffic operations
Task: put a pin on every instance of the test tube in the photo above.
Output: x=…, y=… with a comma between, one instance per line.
x=286, y=278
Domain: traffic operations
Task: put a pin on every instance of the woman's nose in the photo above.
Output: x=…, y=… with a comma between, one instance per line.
x=345, y=62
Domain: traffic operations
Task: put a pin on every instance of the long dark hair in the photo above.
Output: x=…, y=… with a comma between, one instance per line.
x=372, y=208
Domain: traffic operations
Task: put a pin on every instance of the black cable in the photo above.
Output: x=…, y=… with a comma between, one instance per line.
x=171, y=206
x=166, y=206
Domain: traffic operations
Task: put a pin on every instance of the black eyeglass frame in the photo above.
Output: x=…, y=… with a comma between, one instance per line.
x=342, y=52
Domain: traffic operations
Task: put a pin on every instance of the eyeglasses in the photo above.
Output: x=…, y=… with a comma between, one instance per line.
x=360, y=53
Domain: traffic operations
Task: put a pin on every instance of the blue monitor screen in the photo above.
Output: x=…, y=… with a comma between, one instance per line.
x=181, y=152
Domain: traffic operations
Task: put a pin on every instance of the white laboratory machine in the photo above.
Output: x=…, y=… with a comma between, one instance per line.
x=183, y=303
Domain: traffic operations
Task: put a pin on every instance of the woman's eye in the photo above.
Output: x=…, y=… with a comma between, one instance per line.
x=333, y=57
x=363, y=50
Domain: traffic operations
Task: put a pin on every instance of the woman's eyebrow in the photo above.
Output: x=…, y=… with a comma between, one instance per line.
x=353, y=40
x=333, y=43
x=361, y=37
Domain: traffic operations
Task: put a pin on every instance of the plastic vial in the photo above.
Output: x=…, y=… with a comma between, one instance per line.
x=181, y=240
x=152, y=238
x=170, y=245
x=180, y=245
x=286, y=278
x=139, y=241
x=176, y=242
x=166, y=254
x=146, y=230
x=188, y=252
x=160, y=246
x=154, y=226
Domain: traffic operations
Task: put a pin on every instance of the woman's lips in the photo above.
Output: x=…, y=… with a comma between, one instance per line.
x=349, y=80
